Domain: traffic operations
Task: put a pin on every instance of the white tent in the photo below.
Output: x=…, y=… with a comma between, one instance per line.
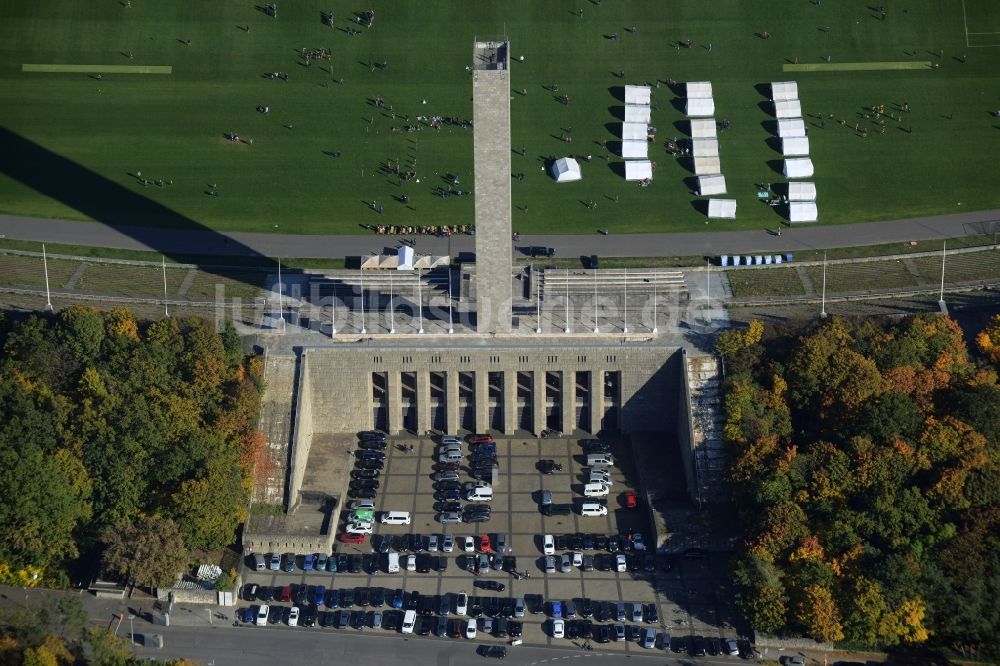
x=784, y=90
x=637, y=113
x=709, y=185
x=704, y=166
x=789, y=108
x=700, y=106
x=798, y=167
x=699, y=89
x=566, y=169
x=802, y=191
x=705, y=147
x=791, y=127
x=635, y=131
x=802, y=211
x=723, y=208
x=404, y=258
x=638, y=170
x=632, y=150
x=637, y=94
x=703, y=128
x=795, y=145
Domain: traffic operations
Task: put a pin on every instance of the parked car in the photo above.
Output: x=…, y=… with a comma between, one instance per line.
x=558, y=628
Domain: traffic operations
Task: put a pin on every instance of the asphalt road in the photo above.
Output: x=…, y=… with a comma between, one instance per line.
x=249, y=646
x=203, y=241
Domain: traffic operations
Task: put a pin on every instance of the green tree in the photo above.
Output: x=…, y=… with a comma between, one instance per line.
x=150, y=551
x=209, y=508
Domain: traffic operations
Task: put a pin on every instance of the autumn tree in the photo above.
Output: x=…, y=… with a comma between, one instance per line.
x=149, y=551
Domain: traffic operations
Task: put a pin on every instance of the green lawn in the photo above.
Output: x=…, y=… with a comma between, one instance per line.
x=69, y=142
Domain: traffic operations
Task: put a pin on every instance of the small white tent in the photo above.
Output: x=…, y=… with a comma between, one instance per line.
x=705, y=147
x=632, y=150
x=802, y=191
x=699, y=89
x=638, y=170
x=704, y=166
x=637, y=113
x=635, y=131
x=703, y=128
x=700, y=106
x=709, y=185
x=791, y=127
x=637, y=94
x=795, y=145
x=802, y=211
x=798, y=167
x=723, y=208
x=566, y=169
x=404, y=258
x=789, y=108
x=784, y=90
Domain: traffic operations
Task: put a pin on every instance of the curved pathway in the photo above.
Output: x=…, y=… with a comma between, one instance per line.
x=205, y=241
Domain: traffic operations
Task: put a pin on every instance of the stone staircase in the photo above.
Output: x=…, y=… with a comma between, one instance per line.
x=276, y=417
x=710, y=452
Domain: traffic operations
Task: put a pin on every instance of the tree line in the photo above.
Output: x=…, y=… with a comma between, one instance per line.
x=135, y=437
x=866, y=473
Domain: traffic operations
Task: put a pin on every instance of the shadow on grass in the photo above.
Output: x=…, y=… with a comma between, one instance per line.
x=162, y=230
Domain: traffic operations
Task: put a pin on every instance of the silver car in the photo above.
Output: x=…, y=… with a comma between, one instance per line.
x=446, y=476
x=519, y=607
x=449, y=517
x=501, y=543
x=550, y=564
x=484, y=563
x=448, y=544
x=637, y=612
x=432, y=543
x=566, y=563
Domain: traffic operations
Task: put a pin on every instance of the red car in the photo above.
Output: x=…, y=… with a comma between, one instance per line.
x=631, y=500
x=352, y=538
x=484, y=543
x=479, y=439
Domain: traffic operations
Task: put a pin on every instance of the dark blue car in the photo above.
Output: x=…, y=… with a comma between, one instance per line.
x=332, y=598
x=319, y=592
x=368, y=454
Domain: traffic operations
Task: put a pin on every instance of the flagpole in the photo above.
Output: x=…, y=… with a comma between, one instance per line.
x=166, y=306
x=45, y=265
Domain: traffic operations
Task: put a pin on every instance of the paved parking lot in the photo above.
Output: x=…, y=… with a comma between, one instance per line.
x=691, y=596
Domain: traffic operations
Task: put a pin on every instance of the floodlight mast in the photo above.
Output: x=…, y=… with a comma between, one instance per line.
x=163, y=265
x=944, y=253
x=822, y=312
x=625, y=320
x=420, y=303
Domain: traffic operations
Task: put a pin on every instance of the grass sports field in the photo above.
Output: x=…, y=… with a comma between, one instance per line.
x=177, y=76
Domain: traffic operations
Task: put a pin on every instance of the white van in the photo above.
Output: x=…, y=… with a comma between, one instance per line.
x=409, y=620
x=262, y=615
x=258, y=562
x=395, y=518
x=595, y=490
x=450, y=439
x=599, y=475
x=393, y=564
x=450, y=456
x=479, y=494
x=593, y=509
x=600, y=460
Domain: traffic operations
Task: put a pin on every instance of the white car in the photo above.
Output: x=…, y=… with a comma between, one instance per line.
x=262, y=612
x=620, y=564
x=293, y=617
x=468, y=544
x=358, y=528
x=558, y=628
x=411, y=562
x=461, y=604
x=448, y=544
x=577, y=558
x=548, y=545
x=470, y=629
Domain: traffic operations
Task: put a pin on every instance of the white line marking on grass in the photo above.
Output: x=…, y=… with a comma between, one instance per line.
x=965, y=22
x=984, y=33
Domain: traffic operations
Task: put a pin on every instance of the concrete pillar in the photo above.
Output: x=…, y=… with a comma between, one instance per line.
x=538, y=423
x=451, y=402
x=394, y=386
x=509, y=402
x=423, y=401
x=596, y=399
x=482, y=407
x=568, y=401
